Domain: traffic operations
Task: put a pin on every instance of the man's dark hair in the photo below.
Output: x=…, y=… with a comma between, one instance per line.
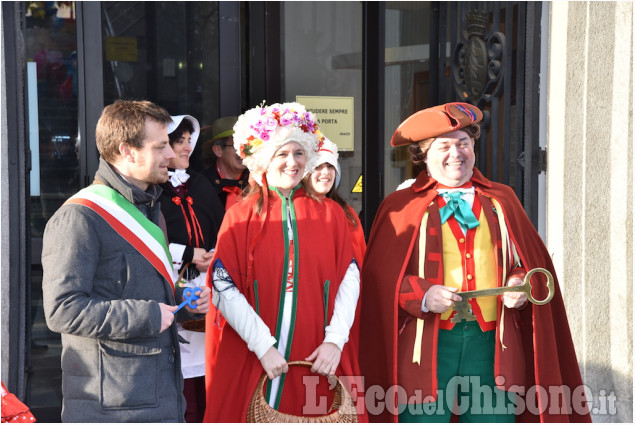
x=124, y=121
x=419, y=150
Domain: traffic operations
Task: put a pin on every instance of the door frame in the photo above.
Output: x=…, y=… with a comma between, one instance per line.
x=90, y=96
x=373, y=99
x=15, y=208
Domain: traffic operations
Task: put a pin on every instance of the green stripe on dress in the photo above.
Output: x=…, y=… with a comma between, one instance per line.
x=327, y=287
x=294, y=302
x=283, y=287
x=256, y=295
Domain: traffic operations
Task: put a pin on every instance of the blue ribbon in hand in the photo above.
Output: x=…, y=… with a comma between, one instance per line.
x=461, y=210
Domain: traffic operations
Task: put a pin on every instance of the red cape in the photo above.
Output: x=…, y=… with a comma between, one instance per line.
x=357, y=234
x=325, y=252
x=13, y=410
x=359, y=251
x=539, y=346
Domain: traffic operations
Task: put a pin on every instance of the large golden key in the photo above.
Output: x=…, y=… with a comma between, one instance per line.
x=464, y=311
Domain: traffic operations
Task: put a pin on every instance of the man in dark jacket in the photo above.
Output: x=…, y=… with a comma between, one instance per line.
x=108, y=282
x=226, y=172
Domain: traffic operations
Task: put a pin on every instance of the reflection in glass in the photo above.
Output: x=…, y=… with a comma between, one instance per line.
x=51, y=55
x=438, y=52
x=165, y=52
x=51, y=43
x=406, y=78
x=321, y=56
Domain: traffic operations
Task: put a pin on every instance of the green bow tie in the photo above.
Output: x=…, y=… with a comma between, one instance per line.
x=461, y=210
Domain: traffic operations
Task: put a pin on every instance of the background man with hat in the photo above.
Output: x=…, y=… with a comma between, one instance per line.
x=454, y=230
x=227, y=173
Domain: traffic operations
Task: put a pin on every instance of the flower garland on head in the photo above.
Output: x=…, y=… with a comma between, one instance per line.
x=261, y=131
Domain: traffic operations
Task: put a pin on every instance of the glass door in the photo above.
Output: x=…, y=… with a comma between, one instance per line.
x=177, y=69
x=438, y=52
x=52, y=109
x=321, y=67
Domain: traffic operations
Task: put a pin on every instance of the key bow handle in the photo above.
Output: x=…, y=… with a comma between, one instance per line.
x=188, y=295
x=550, y=285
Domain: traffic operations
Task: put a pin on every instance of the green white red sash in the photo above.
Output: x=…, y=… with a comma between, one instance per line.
x=145, y=236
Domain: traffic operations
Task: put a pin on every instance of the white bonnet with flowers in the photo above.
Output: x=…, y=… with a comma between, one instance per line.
x=261, y=131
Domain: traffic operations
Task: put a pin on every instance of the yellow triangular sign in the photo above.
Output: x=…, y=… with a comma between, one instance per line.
x=358, y=186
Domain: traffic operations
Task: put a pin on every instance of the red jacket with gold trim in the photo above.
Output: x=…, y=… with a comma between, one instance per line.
x=539, y=349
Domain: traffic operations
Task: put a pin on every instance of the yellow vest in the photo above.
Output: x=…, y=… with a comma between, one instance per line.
x=469, y=263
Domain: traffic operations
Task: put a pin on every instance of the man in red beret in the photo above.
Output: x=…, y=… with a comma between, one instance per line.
x=453, y=230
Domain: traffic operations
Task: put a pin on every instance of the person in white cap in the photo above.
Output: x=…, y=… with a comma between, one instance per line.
x=193, y=215
x=283, y=275
x=324, y=180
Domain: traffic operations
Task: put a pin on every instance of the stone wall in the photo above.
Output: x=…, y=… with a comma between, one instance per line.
x=590, y=192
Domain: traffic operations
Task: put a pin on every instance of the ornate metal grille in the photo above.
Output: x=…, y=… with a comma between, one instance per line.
x=488, y=55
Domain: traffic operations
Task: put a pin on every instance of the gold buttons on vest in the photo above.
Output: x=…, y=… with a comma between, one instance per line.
x=469, y=277
x=468, y=255
x=462, y=240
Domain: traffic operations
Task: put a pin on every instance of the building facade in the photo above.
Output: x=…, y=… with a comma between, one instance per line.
x=554, y=81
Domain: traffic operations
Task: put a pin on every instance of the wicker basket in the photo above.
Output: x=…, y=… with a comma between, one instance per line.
x=342, y=410
x=197, y=325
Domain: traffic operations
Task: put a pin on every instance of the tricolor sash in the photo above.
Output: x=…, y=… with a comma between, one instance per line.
x=126, y=219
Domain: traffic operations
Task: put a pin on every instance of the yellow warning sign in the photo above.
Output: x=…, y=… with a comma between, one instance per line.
x=358, y=186
x=121, y=49
x=335, y=116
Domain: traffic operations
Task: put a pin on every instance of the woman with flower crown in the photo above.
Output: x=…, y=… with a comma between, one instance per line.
x=283, y=276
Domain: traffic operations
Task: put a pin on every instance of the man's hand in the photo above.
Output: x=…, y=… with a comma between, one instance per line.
x=202, y=304
x=514, y=299
x=167, y=315
x=273, y=363
x=325, y=359
x=202, y=259
x=440, y=299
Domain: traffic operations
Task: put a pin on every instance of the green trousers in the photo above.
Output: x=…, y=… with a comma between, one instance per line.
x=465, y=374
